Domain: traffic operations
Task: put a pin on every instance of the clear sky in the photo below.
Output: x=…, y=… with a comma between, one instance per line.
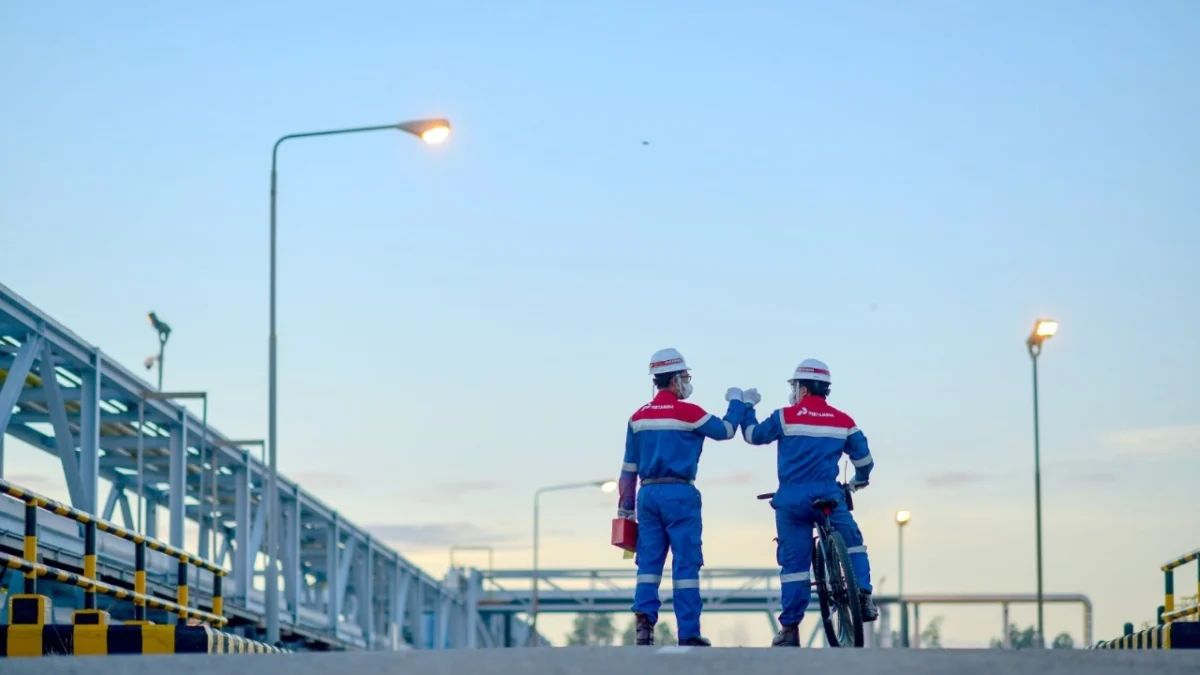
x=899, y=191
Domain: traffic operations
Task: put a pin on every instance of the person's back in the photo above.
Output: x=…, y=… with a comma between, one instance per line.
x=812, y=437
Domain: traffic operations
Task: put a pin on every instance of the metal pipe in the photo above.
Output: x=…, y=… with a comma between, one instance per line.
x=181, y=590
x=141, y=460
x=139, y=581
x=1037, y=500
x=89, y=562
x=31, y=546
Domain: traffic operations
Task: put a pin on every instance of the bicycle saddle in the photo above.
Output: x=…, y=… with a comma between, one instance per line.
x=767, y=495
x=822, y=504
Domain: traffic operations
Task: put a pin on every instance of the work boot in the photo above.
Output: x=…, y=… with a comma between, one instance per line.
x=867, y=604
x=645, y=630
x=788, y=636
x=695, y=642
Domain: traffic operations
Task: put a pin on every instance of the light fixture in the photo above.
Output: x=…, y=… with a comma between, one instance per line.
x=432, y=131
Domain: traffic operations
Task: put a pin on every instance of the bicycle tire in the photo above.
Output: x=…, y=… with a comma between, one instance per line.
x=847, y=585
x=824, y=595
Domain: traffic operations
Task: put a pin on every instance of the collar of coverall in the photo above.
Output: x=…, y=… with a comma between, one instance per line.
x=665, y=396
x=809, y=399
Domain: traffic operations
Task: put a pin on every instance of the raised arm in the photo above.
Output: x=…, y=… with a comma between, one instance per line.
x=769, y=431
x=723, y=429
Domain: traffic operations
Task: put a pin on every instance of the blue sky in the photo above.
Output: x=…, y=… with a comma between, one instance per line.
x=897, y=191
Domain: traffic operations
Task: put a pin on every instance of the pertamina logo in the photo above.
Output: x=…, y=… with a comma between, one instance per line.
x=805, y=411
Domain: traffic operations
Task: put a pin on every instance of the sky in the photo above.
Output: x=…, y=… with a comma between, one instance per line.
x=898, y=191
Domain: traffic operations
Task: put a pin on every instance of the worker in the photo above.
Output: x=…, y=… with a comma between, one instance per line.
x=812, y=437
x=663, y=441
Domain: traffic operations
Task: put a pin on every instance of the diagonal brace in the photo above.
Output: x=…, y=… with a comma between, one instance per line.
x=63, y=439
x=14, y=382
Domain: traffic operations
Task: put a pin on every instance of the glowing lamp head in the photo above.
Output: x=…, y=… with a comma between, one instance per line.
x=432, y=131
x=1045, y=328
x=608, y=486
x=902, y=518
x=435, y=135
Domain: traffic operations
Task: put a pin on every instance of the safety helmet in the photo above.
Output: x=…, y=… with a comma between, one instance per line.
x=811, y=369
x=667, y=361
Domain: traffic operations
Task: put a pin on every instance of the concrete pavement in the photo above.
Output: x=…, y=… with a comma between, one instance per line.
x=631, y=661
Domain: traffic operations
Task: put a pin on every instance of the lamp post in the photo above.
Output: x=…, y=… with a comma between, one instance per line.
x=606, y=486
x=902, y=518
x=164, y=332
x=432, y=131
x=1043, y=329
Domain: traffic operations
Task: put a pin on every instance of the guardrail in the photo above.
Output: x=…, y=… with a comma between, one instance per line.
x=1169, y=612
x=92, y=586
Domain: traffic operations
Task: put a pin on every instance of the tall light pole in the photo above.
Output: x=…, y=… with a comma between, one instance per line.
x=902, y=518
x=164, y=332
x=431, y=131
x=606, y=486
x=1043, y=329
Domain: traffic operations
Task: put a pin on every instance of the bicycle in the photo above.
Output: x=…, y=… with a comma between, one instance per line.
x=833, y=576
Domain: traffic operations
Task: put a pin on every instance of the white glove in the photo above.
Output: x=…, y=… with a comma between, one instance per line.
x=856, y=484
x=627, y=515
x=733, y=394
x=751, y=397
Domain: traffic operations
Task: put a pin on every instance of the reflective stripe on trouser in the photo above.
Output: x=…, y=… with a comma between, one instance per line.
x=669, y=519
x=794, y=555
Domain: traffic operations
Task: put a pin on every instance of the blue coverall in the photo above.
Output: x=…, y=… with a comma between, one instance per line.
x=663, y=440
x=812, y=436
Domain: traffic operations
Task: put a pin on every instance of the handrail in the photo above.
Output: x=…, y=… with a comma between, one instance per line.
x=1168, y=569
x=117, y=592
x=141, y=599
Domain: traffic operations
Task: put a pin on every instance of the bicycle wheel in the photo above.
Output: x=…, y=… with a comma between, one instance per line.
x=820, y=579
x=844, y=590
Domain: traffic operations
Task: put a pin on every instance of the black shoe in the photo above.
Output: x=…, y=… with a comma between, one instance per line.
x=788, y=636
x=868, y=609
x=695, y=642
x=645, y=630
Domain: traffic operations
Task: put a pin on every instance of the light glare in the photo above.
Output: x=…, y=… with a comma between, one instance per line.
x=1045, y=328
x=608, y=486
x=435, y=135
x=902, y=517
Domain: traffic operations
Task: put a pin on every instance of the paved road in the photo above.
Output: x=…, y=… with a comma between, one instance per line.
x=632, y=661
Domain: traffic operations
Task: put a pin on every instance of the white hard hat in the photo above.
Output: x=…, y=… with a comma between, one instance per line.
x=811, y=369
x=667, y=361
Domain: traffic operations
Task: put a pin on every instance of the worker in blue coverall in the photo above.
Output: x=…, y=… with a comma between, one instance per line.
x=663, y=441
x=812, y=437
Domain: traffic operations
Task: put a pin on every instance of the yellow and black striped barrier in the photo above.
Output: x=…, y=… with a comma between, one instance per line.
x=1169, y=612
x=100, y=640
x=34, y=502
x=1176, y=635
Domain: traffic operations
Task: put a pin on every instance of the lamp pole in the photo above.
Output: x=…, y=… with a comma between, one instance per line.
x=164, y=332
x=431, y=131
x=1043, y=329
x=902, y=518
x=605, y=485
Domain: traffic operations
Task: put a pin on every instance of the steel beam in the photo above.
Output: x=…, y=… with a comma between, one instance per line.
x=64, y=442
x=243, y=556
x=292, y=573
x=179, y=461
x=89, y=432
x=14, y=381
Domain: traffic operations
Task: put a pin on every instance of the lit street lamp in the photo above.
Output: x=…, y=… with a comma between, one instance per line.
x=902, y=518
x=605, y=486
x=1043, y=329
x=432, y=131
x=164, y=332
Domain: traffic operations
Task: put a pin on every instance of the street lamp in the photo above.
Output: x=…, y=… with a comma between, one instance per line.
x=431, y=131
x=1043, y=329
x=164, y=332
x=605, y=486
x=902, y=518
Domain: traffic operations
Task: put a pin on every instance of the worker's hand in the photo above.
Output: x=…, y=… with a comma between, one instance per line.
x=733, y=394
x=751, y=396
x=856, y=484
x=627, y=515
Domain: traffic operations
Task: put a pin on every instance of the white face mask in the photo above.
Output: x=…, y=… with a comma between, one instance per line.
x=685, y=390
x=794, y=397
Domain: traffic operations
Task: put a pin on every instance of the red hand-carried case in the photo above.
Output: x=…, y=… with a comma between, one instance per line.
x=624, y=534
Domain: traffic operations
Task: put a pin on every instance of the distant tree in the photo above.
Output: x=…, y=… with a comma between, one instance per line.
x=931, y=634
x=1020, y=639
x=1063, y=641
x=592, y=630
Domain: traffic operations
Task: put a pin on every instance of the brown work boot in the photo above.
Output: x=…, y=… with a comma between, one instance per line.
x=788, y=636
x=867, y=607
x=645, y=630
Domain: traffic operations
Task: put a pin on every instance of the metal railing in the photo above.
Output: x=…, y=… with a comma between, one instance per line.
x=92, y=586
x=1169, y=612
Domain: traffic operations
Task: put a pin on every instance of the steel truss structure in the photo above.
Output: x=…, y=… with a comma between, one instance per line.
x=341, y=587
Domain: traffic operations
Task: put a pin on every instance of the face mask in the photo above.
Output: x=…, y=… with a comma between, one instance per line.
x=794, y=397
x=685, y=390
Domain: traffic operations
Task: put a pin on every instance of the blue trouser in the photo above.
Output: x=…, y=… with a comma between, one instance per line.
x=794, y=522
x=669, y=517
